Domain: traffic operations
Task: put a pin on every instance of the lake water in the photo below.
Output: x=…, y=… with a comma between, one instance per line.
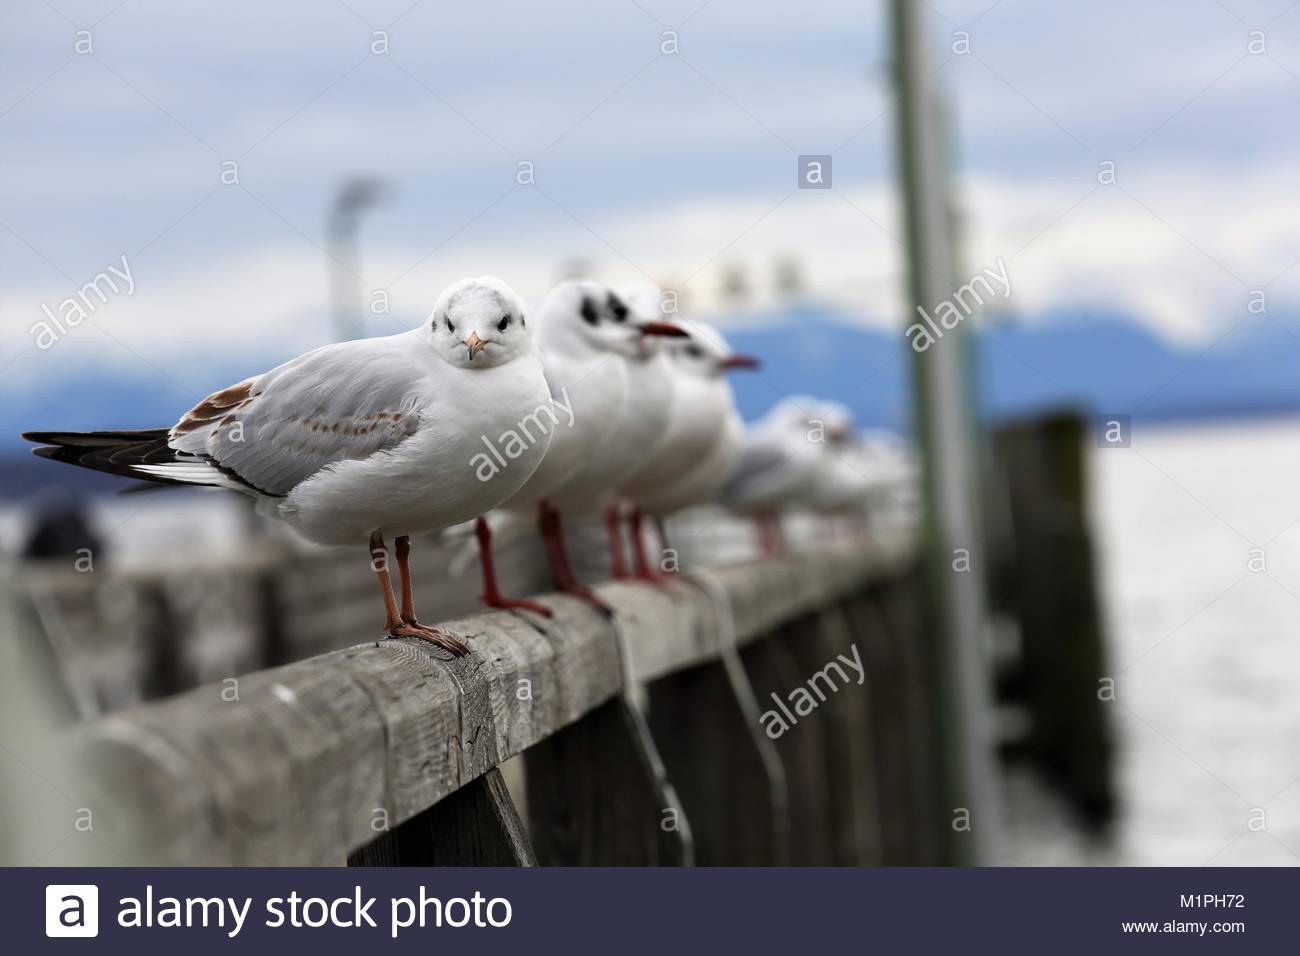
x=1198, y=533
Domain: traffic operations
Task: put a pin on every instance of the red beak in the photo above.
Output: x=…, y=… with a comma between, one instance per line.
x=666, y=329
x=741, y=361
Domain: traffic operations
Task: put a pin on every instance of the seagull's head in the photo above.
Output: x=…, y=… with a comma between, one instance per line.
x=798, y=414
x=658, y=327
x=704, y=353
x=480, y=323
x=840, y=429
x=582, y=315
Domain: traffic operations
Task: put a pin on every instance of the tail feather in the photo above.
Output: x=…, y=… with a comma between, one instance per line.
x=96, y=439
x=142, y=454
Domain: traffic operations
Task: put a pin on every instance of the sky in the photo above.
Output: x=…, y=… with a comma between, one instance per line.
x=663, y=136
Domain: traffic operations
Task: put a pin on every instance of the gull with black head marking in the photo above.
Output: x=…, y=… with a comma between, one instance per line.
x=588, y=336
x=641, y=430
x=702, y=440
x=356, y=440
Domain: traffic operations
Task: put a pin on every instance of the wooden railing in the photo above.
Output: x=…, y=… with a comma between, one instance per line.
x=643, y=736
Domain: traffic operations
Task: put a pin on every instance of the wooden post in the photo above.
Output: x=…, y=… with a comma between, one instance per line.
x=475, y=826
x=887, y=718
x=900, y=602
x=597, y=795
x=165, y=674
x=775, y=672
x=816, y=643
x=727, y=772
x=1062, y=652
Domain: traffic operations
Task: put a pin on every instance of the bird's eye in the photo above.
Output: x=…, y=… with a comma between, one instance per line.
x=450, y=328
x=694, y=351
x=501, y=326
x=589, y=311
x=618, y=307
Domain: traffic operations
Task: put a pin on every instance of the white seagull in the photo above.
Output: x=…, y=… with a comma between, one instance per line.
x=642, y=428
x=848, y=478
x=703, y=437
x=361, y=438
x=799, y=456
x=587, y=336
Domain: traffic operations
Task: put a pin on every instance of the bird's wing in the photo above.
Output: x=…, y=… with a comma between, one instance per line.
x=759, y=459
x=341, y=402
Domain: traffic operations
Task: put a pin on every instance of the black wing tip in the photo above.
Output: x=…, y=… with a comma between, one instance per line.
x=96, y=439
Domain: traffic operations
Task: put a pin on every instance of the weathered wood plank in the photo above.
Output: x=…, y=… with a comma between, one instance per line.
x=774, y=673
x=727, y=773
x=399, y=728
x=823, y=644
x=596, y=796
x=902, y=718
x=475, y=826
x=932, y=816
x=888, y=722
x=663, y=628
x=296, y=770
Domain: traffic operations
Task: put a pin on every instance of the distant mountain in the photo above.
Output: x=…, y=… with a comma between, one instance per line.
x=1104, y=362
x=1114, y=365
x=814, y=351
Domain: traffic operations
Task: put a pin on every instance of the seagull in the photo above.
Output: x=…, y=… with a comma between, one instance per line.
x=781, y=461
x=703, y=437
x=588, y=336
x=803, y=455
x=848, y=476
x=641, y=430
x=359, y=439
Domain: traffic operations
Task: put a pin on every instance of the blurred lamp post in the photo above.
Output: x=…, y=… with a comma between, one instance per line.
x=347, y=292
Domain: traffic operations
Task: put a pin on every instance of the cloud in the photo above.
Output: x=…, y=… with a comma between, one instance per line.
x=667, y=172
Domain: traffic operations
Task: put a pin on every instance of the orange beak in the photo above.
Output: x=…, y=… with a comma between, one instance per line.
x=741, y=361
x=475, y=344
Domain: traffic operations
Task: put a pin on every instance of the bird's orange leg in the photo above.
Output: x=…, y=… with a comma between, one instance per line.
x=614, y=531
x=775, y=544
x=402, y=548
x=767, y=526
x=400, y=621
x=492, y=596
x=565, y=579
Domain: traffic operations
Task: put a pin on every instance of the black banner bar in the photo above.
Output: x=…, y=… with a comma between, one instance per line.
x=634, y=911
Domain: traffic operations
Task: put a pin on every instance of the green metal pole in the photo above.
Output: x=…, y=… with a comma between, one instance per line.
x=943, y=403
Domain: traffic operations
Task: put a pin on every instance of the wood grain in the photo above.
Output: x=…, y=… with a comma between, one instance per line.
x=294, y=765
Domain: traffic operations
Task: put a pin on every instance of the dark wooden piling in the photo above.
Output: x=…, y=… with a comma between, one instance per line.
x=1049, y=584
x=729, y=777
x=828, y=646
x=475, y=826
x=800, y=741
x=597, y=795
